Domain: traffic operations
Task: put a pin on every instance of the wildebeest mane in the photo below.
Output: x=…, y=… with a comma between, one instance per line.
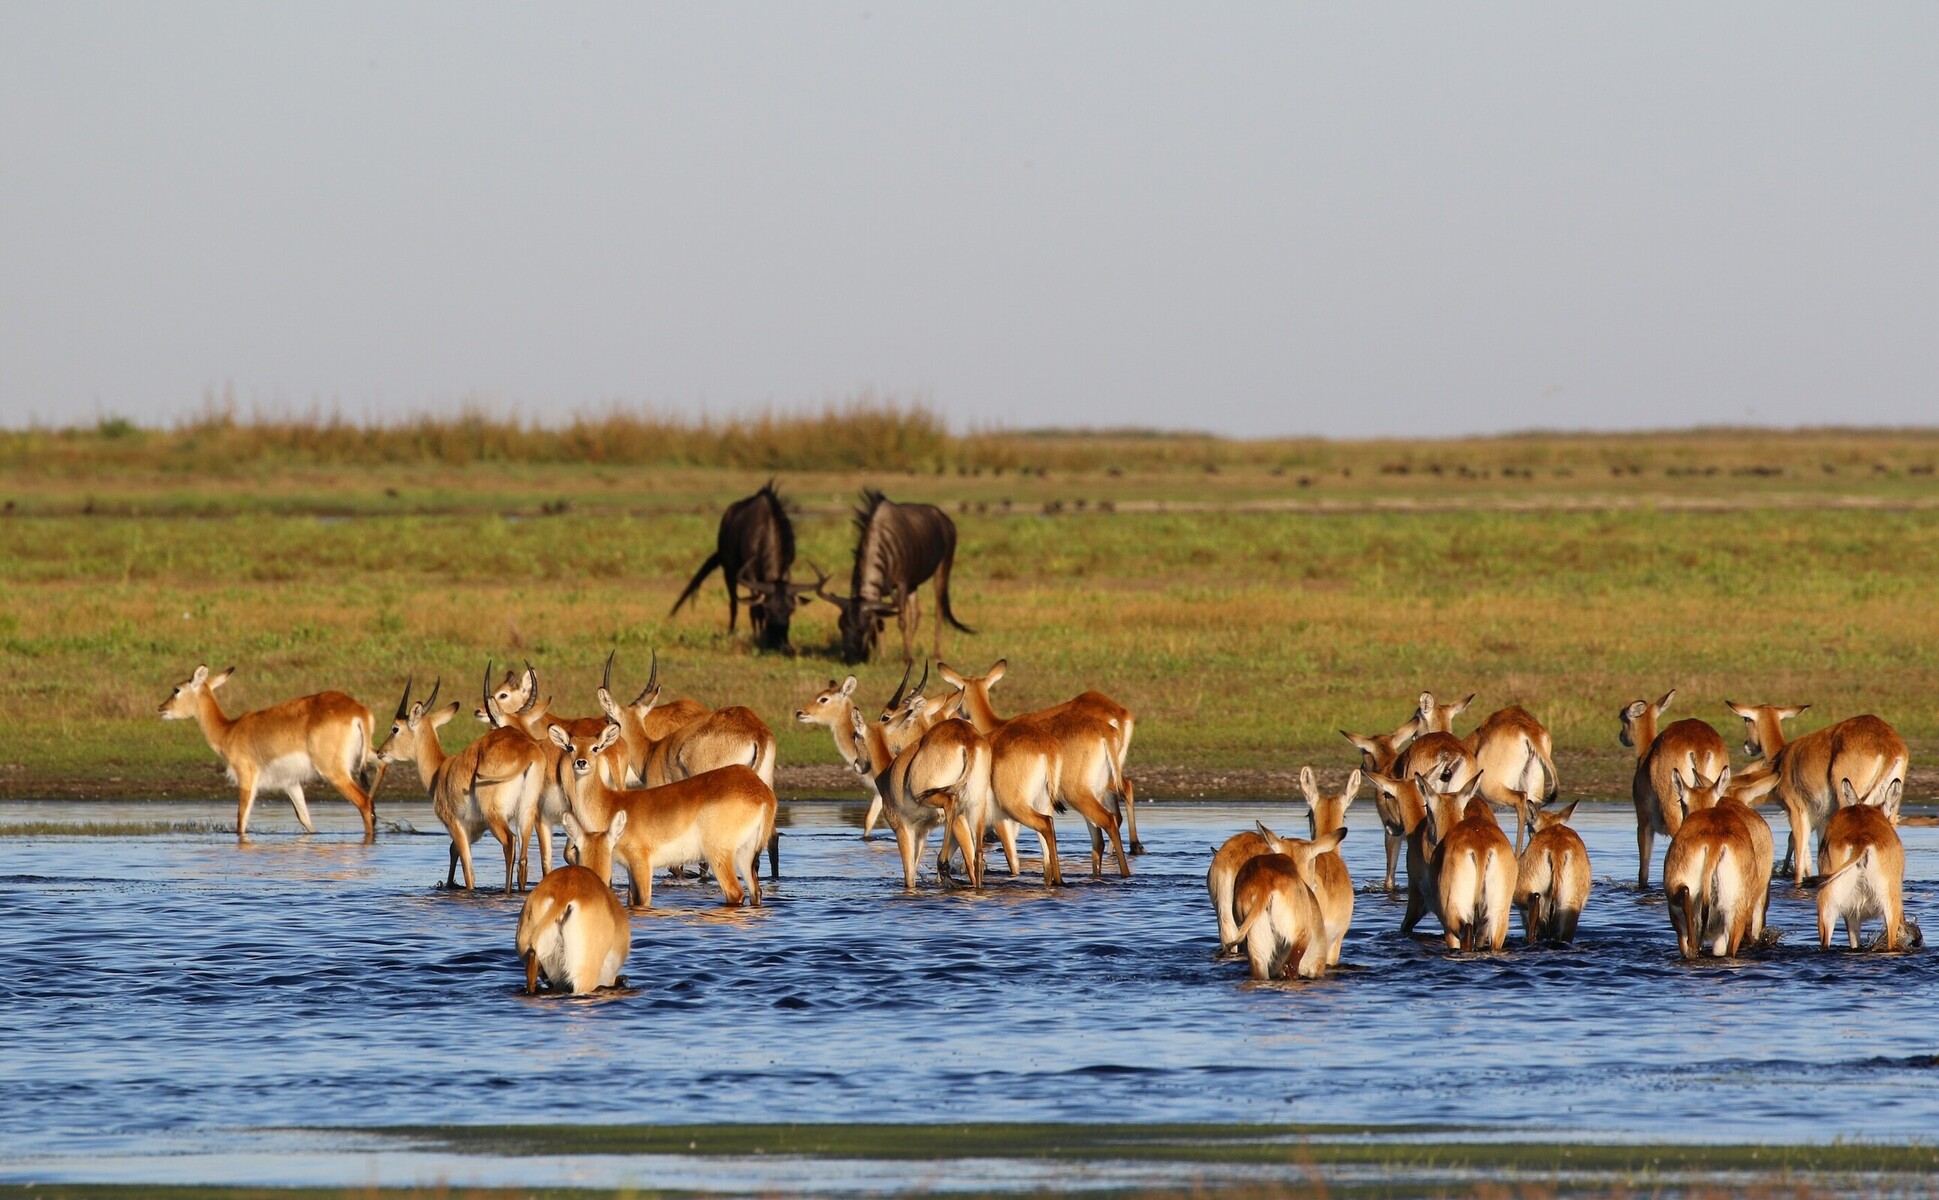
x=874, y=545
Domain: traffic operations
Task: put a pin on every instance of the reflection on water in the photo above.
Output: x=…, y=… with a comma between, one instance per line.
x=167, y=986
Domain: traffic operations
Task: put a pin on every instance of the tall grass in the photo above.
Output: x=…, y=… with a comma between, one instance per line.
x=877, y=434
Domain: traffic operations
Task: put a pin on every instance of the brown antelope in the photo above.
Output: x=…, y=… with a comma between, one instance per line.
x=1864, y=863
x=491, y=785
x=1863, y=749
x=1080, y=720
x=1319, y=858
x=1659, y=756
x=721, y=817
x=533, y=717
x=1552, y=879
x=732, y=735
x=572, y=931
x=940, y=778
x=1279, y=920
x=284, y=746
x=1223, y=876
x=1414, y=809
x=1716, y=877
x=834, y=708
x=1439, y=718
x=1380, y=755
x=1475, y=874
x=1516, y=759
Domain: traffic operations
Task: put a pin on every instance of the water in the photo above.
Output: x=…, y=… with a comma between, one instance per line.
x=171, y=992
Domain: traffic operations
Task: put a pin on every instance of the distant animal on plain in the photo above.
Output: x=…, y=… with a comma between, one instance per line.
x=285, y=746
x=754, y=550
x=898, y=548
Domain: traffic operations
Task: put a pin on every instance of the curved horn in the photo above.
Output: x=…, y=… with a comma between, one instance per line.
x=652, y=681
x=433, y=697
x=900, y=688
x=925, y=677
x=531, y=681
x=404, y=705
x=606, y=680
x=821, y=588
x=486, y=692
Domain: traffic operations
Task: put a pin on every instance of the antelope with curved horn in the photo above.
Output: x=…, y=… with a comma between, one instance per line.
x=1864, y=749
x=735, y=735
x=1552, y=879
x=937, y=777
x=898, y=548
x=1659, y=756
x=1864, y=863
x=1380, y=755
x=1080, y=722
x=284, y=746
x=573, y=932
x=721, y=817
x=532, y=716
x=491, y=785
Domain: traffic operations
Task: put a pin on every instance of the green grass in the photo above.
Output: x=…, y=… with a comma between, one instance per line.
x=1244, y=635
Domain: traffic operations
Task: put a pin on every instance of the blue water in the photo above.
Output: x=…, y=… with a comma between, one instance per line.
x=172, y=990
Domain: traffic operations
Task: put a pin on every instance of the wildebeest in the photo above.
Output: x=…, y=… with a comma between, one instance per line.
x=754, y=550
x=898, y=547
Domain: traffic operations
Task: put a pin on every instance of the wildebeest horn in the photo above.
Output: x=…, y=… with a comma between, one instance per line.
x=900, y=687
x=821, y=586
x=404, y=705
x=606, y=680
x=433, y=697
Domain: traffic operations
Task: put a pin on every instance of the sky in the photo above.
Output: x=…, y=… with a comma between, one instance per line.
x=1256, y=219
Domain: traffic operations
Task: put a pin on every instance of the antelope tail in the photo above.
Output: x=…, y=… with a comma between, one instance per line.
x=1863, y=859
x=699, y=577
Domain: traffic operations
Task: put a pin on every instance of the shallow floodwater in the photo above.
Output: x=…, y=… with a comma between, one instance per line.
x=168, y=991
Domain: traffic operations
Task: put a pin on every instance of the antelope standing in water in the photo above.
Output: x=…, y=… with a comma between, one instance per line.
x=284, y=746
x=1864, y=863
x=1280, y=922
x=938, y=777
x=1511, y=750
x=1552, y=879
x=491, y=785
x=572, y=932
x=1863, y=749
x=721, y=817
x=1319, y=858
x=898, y=548
x=1659, y=756
x=1475, y=875
x=1717, y=874
x=1380, y=755
x=1223, y=876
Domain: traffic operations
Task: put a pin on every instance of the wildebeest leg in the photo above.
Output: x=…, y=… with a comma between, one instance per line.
x=733, y=598
x=908, y=632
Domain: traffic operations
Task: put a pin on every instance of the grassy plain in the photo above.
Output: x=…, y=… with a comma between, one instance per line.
x=1248, y=599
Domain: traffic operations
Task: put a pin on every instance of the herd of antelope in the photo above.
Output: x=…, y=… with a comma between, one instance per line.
x=1286, y=903
x=705, y=787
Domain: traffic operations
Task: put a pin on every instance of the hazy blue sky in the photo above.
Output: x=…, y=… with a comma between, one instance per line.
x=1339, y=219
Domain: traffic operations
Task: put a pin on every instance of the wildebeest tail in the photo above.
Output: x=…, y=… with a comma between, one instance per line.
x=699, y=577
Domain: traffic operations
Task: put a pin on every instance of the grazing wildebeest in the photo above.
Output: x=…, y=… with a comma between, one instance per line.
x=898, y=548
x=754, y=550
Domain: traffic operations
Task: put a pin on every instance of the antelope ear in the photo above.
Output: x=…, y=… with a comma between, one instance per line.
x=1682, y=792
x=618, y=825
x=996, y=672
x=1383, y=785
x=1329, y=843
x=1272, y=839
x=607, y=705
x=1463, y=706
x=607, y=737
x=1664, y=704
x=441, y=716
x=218, y=680
x=575, y=832
x=200, y=677
x=1426, y=709
x=848, y=685
x=1742, y=710
x=559, y=736
x=1849, y=793
x=1309, y=784
x=1723, y=778
x=1635, y=710
x=1365, y=744
x=1353, y=789
x=1894, y=792
x=1784, y=714
x=1562, y=815
x=949, y=677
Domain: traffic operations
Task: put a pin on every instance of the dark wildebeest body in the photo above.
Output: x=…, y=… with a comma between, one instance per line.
x=898, y=548
x=754, y=550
